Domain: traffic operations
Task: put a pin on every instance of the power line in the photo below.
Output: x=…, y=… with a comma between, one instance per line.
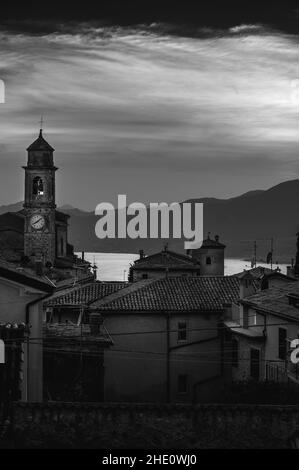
x=128, y=333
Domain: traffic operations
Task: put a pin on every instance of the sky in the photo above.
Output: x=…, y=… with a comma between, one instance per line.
x=154, y=111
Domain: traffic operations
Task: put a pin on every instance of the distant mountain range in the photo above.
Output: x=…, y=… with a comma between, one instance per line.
x=239, y=221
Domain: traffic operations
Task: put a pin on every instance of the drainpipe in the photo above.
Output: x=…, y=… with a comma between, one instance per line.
x=27, y=321
x=167, y=358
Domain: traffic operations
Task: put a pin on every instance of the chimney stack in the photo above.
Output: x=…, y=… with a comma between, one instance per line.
x=141, y=254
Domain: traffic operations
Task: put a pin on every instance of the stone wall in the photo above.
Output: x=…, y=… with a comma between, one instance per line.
x=86, y=425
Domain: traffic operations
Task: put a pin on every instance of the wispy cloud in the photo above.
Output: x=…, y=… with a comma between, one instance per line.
x=154, y=114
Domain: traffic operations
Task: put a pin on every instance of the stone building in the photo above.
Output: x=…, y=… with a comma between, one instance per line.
x=208, y=260
x=210, y=257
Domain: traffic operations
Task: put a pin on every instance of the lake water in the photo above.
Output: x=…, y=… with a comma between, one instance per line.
x=115, y=266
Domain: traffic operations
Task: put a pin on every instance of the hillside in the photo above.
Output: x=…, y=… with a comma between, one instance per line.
x=256, y=215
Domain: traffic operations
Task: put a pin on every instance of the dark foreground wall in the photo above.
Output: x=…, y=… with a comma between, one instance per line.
x=86, y=425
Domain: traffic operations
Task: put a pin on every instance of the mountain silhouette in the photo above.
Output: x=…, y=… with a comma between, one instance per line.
x=239, y=221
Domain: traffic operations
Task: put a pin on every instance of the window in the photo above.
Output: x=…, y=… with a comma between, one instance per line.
x=282, y=343
x=255, y=363
x=37, y=186
x=235, y=352
x=182, y=383
x=144, y=276
x=208, y=260
x=182, y=331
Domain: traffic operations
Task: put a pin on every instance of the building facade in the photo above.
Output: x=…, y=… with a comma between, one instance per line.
x=21, y=320
x=260, y=332
x=166, y=341
x=167, y=344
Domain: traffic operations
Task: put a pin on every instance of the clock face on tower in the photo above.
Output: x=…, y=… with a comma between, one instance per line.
x=37, y=222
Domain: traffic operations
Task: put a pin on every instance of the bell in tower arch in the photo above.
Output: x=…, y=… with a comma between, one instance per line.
x=38, y=186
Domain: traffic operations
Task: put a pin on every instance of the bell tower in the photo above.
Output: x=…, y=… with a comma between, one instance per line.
x=39, y=205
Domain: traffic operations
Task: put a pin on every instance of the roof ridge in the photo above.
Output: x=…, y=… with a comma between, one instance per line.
x=175, y=254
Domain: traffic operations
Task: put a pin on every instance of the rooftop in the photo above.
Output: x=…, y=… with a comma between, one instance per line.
x=259, y=271
x=175, y=294
x=25, y=277
x=84, y=294
x=276, y=300
x=166, y=259
x=210, y=243
x=40, y=144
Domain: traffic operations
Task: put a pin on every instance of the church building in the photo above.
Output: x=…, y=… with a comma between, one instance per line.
x=37, y=236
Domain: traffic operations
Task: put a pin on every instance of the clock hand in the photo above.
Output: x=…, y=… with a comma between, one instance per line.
x=37, y=221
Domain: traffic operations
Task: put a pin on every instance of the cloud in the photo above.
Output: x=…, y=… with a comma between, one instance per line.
x=144, y=101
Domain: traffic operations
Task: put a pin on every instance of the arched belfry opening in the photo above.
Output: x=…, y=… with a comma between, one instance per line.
x=38, y=186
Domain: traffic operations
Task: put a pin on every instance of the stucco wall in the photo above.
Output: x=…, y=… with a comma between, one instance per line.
x=13, y=300
x=136, y=365
x=216, y=268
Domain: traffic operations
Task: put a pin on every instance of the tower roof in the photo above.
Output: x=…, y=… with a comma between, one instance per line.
x=40, y=143
x=210, y=243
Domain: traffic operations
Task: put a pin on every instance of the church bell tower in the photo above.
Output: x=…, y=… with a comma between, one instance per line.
x=39, y=205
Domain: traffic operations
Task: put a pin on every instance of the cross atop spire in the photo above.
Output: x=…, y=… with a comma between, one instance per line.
x=41, y=124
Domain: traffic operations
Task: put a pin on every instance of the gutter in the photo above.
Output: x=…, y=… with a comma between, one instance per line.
x=167, y=358
x=33, y=302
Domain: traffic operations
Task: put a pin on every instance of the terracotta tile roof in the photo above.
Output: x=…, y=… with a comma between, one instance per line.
x=183, y=294
x=166, y=258
x=258, y=272
x=84, y=294
x=276, y=300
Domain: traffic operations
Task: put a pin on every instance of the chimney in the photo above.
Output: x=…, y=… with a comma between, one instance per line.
x=95, y=323
x=217, y=238
x=83, y=255
x=141, y=254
